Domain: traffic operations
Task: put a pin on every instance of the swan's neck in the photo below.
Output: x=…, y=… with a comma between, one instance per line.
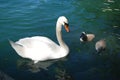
x=59, y=37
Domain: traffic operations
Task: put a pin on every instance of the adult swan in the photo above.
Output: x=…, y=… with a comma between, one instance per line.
x=40, y=48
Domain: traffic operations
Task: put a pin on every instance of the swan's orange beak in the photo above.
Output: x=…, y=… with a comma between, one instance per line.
x=67, y=27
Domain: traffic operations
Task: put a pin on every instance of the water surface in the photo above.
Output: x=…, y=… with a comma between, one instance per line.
x=21, y=18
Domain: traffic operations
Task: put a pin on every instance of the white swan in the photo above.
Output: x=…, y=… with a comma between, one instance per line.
x=39, y=48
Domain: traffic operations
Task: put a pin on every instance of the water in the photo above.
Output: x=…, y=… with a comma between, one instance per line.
x=22, y=18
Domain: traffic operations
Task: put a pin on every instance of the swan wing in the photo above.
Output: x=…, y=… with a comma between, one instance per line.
x=31, y=42
x=38, y=47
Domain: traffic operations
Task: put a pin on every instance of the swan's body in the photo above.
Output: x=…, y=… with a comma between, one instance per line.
x=100, y=45
x=39, y=48
x=86, y=37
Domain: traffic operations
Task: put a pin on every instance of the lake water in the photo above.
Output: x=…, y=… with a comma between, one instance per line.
x=23, y=18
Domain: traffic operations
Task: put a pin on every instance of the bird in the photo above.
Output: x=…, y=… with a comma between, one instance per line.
x=40, y=48
x=100, y=45
x=86, y=37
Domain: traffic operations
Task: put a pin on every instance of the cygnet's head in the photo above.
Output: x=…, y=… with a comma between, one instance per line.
x=83, y=37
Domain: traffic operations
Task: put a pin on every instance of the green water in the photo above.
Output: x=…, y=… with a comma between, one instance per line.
x=21, y=18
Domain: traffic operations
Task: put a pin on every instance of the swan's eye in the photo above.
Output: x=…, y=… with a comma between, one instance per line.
x=66, y=24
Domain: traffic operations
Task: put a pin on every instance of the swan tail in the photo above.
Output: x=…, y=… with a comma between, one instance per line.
x=18, y=48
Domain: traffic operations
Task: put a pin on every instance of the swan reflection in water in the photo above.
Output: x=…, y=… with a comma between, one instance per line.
x=30, y=66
